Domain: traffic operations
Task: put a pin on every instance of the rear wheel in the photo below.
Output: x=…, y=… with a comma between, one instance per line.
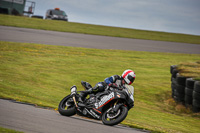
x=111, y=118
x=67, y=107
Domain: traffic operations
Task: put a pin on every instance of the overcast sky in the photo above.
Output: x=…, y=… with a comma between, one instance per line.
x=178, y=16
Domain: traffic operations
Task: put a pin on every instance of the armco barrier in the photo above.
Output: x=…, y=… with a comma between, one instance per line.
x=185, y=90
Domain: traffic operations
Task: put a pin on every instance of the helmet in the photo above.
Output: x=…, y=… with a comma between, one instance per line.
x=128, y=76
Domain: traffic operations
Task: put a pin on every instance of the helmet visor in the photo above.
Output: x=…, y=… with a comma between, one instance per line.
x=129, y=79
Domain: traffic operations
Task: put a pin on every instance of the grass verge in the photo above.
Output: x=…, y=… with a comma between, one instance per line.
x=25, y=22
x=43, y=74
x=190, y=69
x=5, y=130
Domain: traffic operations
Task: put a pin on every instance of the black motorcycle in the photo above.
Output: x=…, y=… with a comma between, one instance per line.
x=110, y=106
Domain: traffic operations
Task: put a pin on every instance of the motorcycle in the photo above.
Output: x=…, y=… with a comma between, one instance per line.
x=110, y=106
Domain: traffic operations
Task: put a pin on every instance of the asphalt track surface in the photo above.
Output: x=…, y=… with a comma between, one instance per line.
x=14, y=34
x=29, y=119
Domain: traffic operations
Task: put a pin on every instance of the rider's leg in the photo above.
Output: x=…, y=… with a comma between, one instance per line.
x=99, y=87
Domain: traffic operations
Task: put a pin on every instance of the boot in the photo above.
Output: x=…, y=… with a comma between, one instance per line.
x=86, y=85
x=84, y=94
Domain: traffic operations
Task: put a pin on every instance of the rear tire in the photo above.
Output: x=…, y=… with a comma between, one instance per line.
x=65, y=110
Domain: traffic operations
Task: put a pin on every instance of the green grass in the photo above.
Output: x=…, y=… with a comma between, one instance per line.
x=5, y=130
x=17, y=21
x=190, y=69
x=43, y=75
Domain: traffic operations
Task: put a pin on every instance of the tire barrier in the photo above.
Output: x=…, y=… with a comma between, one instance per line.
x=185, y=90
x=189, y=91
x=196, y=97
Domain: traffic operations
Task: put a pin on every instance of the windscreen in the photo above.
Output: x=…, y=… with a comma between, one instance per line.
x=58, y=12
x=130, y=91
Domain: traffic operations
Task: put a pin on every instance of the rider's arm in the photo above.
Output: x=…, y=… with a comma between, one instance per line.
x=112, y=79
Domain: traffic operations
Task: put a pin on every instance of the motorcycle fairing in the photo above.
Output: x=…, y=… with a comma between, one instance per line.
x=113, y=96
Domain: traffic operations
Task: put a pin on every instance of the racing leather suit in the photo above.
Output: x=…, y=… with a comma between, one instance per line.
x=114, y=81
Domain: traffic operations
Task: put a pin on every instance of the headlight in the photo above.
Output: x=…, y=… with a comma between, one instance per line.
x=55, y=16
x=73, y=90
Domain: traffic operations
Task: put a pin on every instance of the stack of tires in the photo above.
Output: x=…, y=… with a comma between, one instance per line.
x=180, y=88
x=196, y=97
x=177, y=85
x=185, y=90
x=189, y=91
x=173, y=71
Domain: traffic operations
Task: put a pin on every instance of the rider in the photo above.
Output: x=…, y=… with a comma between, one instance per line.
x=115, y=81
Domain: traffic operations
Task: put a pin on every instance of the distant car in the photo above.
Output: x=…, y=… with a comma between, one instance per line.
x=56, y=14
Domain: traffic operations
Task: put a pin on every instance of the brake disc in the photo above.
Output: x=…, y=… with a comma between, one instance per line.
x=111, y=114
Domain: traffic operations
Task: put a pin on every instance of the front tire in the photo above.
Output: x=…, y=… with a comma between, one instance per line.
x=110, y=118
x=66, y=106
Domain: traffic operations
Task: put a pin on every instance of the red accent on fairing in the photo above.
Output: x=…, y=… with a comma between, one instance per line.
x=106, y=102
x=97, y=110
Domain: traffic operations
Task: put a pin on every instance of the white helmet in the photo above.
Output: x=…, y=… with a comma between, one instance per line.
x=128, y=76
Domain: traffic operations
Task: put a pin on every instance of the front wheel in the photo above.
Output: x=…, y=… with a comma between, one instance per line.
x=67, y=106
x=111, y=118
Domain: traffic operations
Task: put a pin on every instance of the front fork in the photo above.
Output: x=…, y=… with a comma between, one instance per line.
x=116, y=106
x=74, y=99
x=73, y=93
